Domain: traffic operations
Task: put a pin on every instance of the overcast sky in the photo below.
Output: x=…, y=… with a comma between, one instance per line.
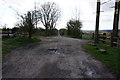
x=87, y=10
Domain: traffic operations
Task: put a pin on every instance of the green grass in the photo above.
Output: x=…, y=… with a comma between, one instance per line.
x=88, y=37
x=111, y=59
x=0, y=30
x=12, y=43
x=6, y=31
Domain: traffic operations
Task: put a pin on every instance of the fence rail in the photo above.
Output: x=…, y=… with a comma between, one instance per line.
x=107, y=40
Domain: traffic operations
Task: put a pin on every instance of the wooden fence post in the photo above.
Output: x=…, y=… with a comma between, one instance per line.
x=92, y=35
x=104, y=37
x=8, y=31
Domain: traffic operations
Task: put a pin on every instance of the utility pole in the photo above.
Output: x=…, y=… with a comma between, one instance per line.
x=115, y=23
x=97, y=22
x=35, y=15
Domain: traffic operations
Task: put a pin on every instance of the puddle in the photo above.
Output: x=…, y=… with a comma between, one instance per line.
x=55, y=51
x=52, y=49
x=68, y=45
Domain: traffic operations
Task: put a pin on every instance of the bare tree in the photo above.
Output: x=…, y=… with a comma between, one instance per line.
x=27, y=23
x=49, y=14
x=76, y=14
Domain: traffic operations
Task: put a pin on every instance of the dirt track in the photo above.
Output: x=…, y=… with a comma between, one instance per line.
x=54, y=57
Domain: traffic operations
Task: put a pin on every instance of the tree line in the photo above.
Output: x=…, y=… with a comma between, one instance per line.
x=47, y=14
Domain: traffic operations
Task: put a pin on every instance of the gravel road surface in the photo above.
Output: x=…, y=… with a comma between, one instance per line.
x=54, y=57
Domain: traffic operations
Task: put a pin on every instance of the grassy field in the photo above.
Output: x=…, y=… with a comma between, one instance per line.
x=87, y=37
x=12, y=43
x=111, y=59
x=6, y=31
x=0, y=30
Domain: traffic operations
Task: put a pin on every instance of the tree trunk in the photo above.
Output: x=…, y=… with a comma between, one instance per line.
x=30, y=35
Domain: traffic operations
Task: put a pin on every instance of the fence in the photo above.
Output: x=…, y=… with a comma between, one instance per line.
x=5, y=33
x=106, y=39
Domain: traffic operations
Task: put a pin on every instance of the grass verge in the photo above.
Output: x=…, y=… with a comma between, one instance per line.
x=111, y=59
x=9, y=44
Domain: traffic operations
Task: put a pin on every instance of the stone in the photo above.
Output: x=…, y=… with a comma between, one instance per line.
x=103, y=51
x=93, y=44
x=96, y=48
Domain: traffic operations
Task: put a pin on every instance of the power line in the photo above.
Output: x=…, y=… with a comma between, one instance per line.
x=112, y=7
x=105, y=2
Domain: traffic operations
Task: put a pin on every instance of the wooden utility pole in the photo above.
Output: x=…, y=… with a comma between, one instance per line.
x=35, y=16
x=115, y=23
x=97, y=22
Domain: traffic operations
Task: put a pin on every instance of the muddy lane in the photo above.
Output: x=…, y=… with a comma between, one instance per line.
x=54, y=57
